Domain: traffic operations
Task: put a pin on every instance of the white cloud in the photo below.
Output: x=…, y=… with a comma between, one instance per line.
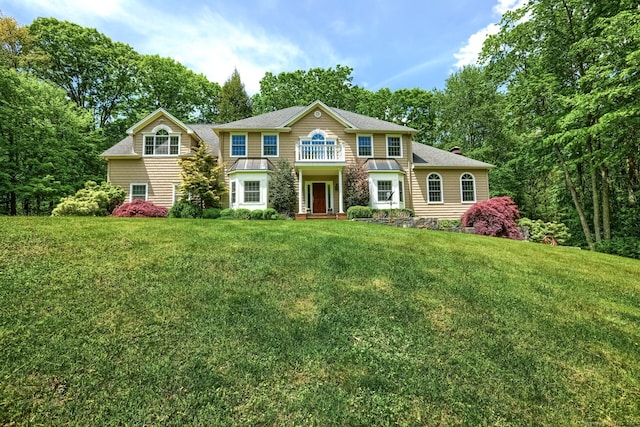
x=468, y=54
x=205, y=41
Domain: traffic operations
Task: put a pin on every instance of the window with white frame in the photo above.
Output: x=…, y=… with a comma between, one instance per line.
x=468, y=188
x=238, y=145
x=385, y=192
x=161, y=143
x=401, y=190
x=365, y=146
x=434, y=188
x=233, y=192
x=270, y=145
x=252, y=192
x=138, y=192
x=394, y=146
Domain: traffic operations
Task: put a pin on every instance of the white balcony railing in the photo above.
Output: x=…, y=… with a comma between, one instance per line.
x=320, y=153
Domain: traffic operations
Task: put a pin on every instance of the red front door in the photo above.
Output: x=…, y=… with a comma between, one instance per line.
x=319, y=197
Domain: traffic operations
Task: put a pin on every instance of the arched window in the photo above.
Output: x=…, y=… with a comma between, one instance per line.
x=468, y=188
x=161, y=143
x=434, y=188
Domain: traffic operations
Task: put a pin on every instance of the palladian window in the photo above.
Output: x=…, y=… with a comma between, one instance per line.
x=161, y=144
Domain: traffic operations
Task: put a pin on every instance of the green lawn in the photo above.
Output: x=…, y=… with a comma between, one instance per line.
x=193, y=322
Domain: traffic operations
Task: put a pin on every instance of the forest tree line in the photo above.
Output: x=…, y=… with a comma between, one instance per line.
x=552, y=104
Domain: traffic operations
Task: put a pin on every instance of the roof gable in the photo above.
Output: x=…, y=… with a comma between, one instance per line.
x=151, y=117
x=321, y=105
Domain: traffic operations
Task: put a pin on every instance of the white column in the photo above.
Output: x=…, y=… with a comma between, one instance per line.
x=300, y=192
x=340, y=190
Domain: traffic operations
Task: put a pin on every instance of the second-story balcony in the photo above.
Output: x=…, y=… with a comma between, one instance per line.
x=321, y=153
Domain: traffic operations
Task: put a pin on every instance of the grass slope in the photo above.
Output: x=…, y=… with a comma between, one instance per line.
x=173, y=322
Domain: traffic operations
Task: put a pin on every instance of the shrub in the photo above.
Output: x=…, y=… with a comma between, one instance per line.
x=256, y=214
x=494, y=217
x=446, y=224
x=282, y=188
x=227, y=213
x=359, y=212
x=392, y=213
x=539, y=229
x=140, y=208
x=356, y=185
x=211, y=213
x=622, y=246
x=242, y=213
x=92, y=200
x=185, y=209
x=270, y=213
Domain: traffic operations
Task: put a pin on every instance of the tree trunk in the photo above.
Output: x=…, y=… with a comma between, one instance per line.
x=606, y=204
x=576, y=200
x=595, y=193
x=13, y=209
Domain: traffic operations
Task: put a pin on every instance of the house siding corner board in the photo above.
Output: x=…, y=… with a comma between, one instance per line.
x=159, y=174
x=452, y=208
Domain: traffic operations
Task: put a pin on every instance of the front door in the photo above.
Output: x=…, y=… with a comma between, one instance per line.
x=319, y=197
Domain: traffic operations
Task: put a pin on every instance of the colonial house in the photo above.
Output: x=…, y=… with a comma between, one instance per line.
x=319, y=142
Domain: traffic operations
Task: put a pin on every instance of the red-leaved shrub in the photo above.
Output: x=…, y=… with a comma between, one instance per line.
x=494, y=217
x=140, y=208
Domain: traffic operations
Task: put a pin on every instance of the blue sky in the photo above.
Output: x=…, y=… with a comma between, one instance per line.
x=389, y=43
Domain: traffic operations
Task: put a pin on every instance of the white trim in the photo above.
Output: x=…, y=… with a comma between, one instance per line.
x=395, y=202
x=317, y=131
x=240, y=178
x=277, y=135
x=246, y=144
x=441, y=189
x=154, y=115
x=146, y=190
x=358, y=145
x=475, y=197
x=170, y=134
x=393, y=135
x=329, y=202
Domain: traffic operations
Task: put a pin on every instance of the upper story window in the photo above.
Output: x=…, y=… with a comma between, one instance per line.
x=365, y=146
x=434, y=188
x=238, y=145
x=318, y=137
x=161, y=143
x=468, y=188
x=270, y=145
x=394, y=146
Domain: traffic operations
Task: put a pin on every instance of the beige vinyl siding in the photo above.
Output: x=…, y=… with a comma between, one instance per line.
x=452, y=208
x=159, y=174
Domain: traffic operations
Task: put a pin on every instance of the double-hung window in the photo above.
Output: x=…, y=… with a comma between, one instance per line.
x=239, y=145
x=252, y=192
x=233, y=193
x=270, y=145
x=385, y=192
x=434, y=188
x=138, y=192
x=468, y=188
x=394, y=146
x=365, y=146
x=161, y=143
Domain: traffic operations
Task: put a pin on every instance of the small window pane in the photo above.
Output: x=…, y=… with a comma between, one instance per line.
x=252, y=191
x=401, y=191
x=233, y=192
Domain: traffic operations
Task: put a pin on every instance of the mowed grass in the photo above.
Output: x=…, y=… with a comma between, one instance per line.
x=191, y=322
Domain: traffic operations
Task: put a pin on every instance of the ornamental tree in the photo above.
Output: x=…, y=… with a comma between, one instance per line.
x=494, y=217
x=282, y=188
x=356, y=186
x=202, y=178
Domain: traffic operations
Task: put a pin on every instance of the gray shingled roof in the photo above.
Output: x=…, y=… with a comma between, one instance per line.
x=426, y=155
x=204, y=131
x=272, y=120
x=383, y=165
x=280, y=118
x=250, y=164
